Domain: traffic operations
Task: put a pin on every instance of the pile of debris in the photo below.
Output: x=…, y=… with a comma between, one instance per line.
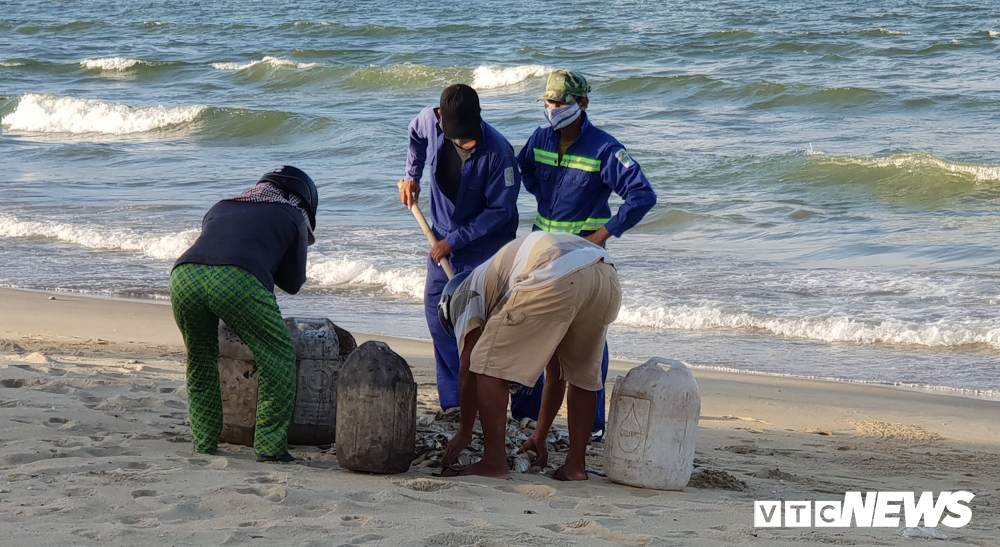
x=434, y=434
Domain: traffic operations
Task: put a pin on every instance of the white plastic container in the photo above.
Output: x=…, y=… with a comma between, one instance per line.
x=653, y=426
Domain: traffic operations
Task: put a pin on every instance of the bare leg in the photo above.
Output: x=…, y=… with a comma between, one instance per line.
x=552, y=400
x=581, y=407
x=493, y=398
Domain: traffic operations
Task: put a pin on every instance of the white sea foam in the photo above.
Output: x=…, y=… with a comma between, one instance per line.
x=492, y=77
x=11, y=64
x=981, y=173
x=826, y=329
x=273, y=62
x=333, y=272
x=52, y=114
x=159, y=246
x=993, y=34
x=111, y=64
x=887, y=32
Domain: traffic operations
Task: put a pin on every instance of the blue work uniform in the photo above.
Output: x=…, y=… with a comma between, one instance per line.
x=476, y=225
x=572, y=194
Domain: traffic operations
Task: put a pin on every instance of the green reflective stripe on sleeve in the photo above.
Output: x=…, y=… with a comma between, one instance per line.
x=572, y=162
x=572, y=227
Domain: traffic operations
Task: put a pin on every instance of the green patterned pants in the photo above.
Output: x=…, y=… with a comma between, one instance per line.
x=201, y=295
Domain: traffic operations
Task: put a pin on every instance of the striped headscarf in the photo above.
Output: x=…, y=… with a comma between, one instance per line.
x=265, y=192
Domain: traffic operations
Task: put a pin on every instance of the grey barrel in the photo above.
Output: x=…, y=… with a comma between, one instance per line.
x=320, y=348
x=376, y=411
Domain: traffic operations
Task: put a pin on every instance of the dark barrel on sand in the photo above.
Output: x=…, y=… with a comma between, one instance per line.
x=376, y=411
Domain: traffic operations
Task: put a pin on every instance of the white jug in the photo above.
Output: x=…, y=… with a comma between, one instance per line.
x=653, y=426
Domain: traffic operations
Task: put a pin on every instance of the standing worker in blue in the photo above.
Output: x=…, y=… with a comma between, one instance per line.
x=571, y=167
x=474, y=188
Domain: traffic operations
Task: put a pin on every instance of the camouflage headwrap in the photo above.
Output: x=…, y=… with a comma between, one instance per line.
x=565, y=86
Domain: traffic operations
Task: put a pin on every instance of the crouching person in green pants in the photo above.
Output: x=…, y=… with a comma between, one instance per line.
x=248, y=244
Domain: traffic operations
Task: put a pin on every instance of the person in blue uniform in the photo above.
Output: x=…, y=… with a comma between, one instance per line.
x=571, y=167
x=474, y=183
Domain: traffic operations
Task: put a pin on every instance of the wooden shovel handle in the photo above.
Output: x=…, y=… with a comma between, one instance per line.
x=417, y=214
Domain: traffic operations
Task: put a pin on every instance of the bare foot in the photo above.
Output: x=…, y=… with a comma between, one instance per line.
x=477, y=469
x=562, y=474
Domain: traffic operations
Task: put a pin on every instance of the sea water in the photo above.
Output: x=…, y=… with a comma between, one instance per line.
x=828, y=175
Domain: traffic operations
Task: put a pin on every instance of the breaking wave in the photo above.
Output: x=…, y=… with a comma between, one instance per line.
x=113, y=64
x=414, y=76
x=54, y=114
x=158, y=246
x=492, y=77
x=339, y=272
x=69, y=115
x=926, y=166
x=271, y=62
x=827, y=329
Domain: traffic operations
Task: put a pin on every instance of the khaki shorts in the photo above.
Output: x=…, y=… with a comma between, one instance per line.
x=568, y=319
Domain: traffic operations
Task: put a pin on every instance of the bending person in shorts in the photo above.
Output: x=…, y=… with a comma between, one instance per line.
x=542, y=303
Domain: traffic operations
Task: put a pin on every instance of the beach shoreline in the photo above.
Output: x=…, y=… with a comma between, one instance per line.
x=95, y=448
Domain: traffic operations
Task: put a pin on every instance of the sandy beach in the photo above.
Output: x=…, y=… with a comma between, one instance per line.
x=95, y=450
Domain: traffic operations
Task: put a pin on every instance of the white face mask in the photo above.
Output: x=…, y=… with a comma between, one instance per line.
x=562, y=116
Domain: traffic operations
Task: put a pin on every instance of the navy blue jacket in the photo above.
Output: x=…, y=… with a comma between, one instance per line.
x=573, y=192
x=485, y=216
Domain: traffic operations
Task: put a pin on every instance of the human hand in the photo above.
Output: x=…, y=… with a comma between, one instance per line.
x=409, y=191
x=539, y=447
x=440, y=250
x=600, y=237
x=455, y=448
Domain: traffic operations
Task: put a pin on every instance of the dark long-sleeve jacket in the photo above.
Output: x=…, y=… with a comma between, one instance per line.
x=269, y=240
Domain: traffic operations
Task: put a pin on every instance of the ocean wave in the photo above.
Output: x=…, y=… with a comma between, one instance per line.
x=993, y=34
x=11, y=64
x=60, y=28
x=112, y=64
x=68, y=115
x=53, y=114
x=822, y=329
x=270, y=62
x=340, y=272
x=492, y=77
x=884, y=32
x=837, y=97
x=162, y=246
x=414, y=76
x=406, y=76
x=918, y=163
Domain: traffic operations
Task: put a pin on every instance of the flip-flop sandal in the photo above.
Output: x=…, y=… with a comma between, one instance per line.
x=449, y=471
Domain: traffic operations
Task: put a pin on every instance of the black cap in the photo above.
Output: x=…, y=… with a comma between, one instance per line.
x=460, y=112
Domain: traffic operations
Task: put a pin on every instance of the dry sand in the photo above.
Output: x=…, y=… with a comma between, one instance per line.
x=95, y=450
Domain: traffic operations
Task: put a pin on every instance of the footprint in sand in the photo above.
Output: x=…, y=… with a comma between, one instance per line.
x=591, y=529
x=536, y=491
x=425, y=485
x=563, y=504
x=273, y=494
x=13, y=383
x=447, y=504
x=140, y=522
x=59, y=423
x=354, y=521
x=143, y=494
x=361, y=540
